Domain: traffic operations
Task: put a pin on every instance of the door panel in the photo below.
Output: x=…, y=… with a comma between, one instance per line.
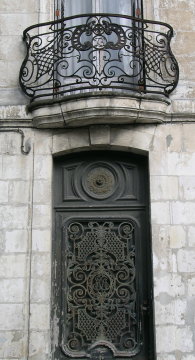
x=102, y=278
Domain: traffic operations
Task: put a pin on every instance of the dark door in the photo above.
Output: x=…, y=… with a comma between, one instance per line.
x=102, y=302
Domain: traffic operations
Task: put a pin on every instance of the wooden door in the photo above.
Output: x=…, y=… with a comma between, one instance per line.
x=102, y=287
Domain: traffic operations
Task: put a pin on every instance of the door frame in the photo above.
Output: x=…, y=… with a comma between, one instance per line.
x=61, y=217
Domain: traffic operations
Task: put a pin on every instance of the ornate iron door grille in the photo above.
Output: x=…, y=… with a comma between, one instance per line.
x=100, y=310
x=101, y=259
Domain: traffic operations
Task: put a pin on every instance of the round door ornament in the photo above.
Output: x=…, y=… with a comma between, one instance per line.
x=99, y=182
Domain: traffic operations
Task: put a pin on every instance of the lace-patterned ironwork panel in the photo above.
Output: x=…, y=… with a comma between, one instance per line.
x=100, y=302
x=95, y=52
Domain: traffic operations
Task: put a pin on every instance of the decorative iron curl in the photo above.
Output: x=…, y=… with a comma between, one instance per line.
x=98, y=51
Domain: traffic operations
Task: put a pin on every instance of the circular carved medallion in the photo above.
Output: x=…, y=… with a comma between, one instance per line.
x=101, y=284
x=100, y=182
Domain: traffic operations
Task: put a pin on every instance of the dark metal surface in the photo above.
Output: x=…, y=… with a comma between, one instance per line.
x=95, y=52
x=100, y=287
x=101, y=259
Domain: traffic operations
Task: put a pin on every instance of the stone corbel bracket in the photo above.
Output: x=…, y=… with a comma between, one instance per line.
x=94, y=109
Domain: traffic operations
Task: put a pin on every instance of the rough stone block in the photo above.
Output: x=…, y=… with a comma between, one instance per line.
x=21, y=6
x=180, y=164
x=191, y=287
x=14, y=24
x=13, y=266
x=171, y=338
x=19, y=192
x=188, y=357
x=140, y=140
x=166, y=357
x=164, y=188
x=170, y=312
x=186, y=260
x=14, y=217
x=13, y=69
x=16, y=241
x=182, y=106
x=10, y=45
x=187, y=187
x=2, y=241
x=38, y=322
x=42, y=216
x=39, y=343
x=41, y=265
x=171, y=4
x=183, y=45
x=177, y=237
x=186, y=64
x=169, y=284
x=183, y=212
x=40, y=290
x=165, y=339
x=41, y=240
x=165, y=260
x=42, y=191
x=43, y=142
x=184, y=339
x=158, y=163
x=160, y=234
x=122, y=137
x=12, y=112
x=171, y=136
x=12, y=96
x=162, y=254
x=3, y=71
x=39, y=356
x=12, y=344
x=60, y=143
x=191, y=236
x=17, y=167
x=160, y=213
x=1, y=167
x=12, y=290
x=43, y=167
x=176, y=17
x=78, y=139
x=11, y=317
x=3, y=191
x=10, y=143
x=99, y=135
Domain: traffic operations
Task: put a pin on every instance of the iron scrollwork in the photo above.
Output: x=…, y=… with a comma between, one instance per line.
x=95, y=52
x=100, y=302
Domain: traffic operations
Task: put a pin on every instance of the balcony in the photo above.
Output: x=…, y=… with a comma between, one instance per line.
x=98, y=53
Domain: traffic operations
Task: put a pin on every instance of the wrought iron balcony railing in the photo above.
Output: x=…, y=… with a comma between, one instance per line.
x=95, y=52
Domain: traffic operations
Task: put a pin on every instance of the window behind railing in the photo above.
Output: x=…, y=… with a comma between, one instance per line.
x=105, y=57
x=110, y=47
x=64, y=8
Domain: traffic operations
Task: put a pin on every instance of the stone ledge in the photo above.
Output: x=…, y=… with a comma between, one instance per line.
x=95, y=109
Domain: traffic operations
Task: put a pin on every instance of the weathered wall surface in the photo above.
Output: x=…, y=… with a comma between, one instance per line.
x=180, y=14
x=15, y=16
x=25, y=243
x=26, y=193
x=26, y=233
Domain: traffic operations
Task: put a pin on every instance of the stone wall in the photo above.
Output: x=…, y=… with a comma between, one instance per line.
x=25, y=264
x=180, y=14
x=26, y=192
x=15, y=16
